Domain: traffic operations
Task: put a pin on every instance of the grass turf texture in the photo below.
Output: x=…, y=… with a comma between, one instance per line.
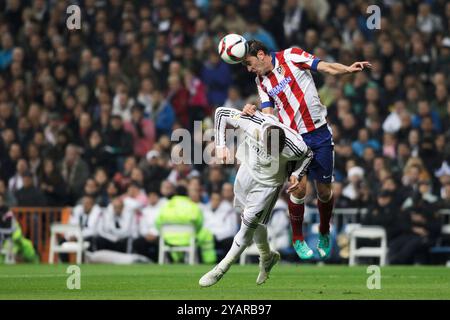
x=180, y=282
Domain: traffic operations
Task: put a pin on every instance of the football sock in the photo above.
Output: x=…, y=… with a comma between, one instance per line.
x=261, y=241
x=325, y=211
x=296, y=212
x=241, y=241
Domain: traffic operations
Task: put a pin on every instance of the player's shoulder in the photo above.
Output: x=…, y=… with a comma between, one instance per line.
x=226, y=110
x=294, y=52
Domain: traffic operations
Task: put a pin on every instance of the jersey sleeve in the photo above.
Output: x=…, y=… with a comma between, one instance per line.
x=296, y=149
x=233, y=117
x=302, y=59
x=266, y=101
x=223, y=117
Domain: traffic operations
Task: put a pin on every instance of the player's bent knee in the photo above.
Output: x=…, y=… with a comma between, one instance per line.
x=300, y=193
x=325, y=195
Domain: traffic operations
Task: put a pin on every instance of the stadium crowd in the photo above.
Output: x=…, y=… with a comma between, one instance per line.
x=86, y=115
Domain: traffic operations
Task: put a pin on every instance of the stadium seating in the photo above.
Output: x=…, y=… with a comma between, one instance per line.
x=190, y=250
x=365, y=232
x=78, y=246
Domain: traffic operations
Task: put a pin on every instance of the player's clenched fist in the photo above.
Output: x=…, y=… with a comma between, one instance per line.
x=249, y=109
x=222, y=154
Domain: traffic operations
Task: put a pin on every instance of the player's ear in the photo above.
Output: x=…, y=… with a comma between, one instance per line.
x=260, y=55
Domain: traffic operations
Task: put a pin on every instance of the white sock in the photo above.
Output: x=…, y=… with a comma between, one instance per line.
x=296, y=200
x=261, y=241
x=241, y=241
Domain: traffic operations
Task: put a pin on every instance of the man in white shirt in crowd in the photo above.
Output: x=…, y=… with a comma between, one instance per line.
x=87, y=216
x=148, y=236
x=16, y=182
x=222, y=220
x=227, y=192
x=118, y=226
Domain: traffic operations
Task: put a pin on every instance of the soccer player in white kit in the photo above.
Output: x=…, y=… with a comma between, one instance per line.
x=269, y=151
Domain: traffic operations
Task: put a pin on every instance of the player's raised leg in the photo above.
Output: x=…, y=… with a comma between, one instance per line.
x=241, y=241
x=325, y=203
x=267, y=258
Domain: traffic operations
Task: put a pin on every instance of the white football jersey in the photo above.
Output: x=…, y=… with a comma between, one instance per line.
x=268, y=169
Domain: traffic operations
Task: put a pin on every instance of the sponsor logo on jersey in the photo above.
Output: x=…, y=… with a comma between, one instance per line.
x=280, y=70
x=279, y=87
x=236, y=116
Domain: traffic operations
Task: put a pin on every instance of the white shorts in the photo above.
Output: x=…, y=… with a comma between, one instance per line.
x=253, y=200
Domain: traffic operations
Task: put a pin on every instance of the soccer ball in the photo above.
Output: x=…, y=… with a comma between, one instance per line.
x=232, y=48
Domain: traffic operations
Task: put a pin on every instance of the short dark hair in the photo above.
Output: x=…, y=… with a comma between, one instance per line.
x=253, y=46
x=281, y=136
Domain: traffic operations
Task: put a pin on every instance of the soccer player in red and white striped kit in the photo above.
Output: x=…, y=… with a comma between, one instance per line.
x=285, y=85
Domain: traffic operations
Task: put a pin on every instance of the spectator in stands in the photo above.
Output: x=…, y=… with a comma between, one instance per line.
x=87, y=215
x=117, y=226
x=215, y=179
x=16, y=182
x=123, y=178
x=227, y=192
x=122, y=103
x=420, y=229
x=167, y=190
x=230, y=19
x=164, y=114
x=136, y=194
x=423, y=112
x=28, y=195
x=119, y=143
x=74, y=171
x=52, y=184
x=234, y=99
x=363, y=141
x=153, y=171
x=355, y=178
x=142, y=131
x=257, y=32
x=221, y=219
x=178, y=97
x=384, y=213
x=147, y=242
x=95, y=152
x=217, y=77
x=196, y=192
x=112, y=191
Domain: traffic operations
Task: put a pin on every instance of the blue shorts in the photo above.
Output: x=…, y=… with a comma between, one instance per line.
x=321, y=143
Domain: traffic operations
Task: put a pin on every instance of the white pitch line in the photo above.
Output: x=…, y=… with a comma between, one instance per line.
x=32, y=276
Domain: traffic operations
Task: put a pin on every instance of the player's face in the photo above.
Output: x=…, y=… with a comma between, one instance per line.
x=257, y=65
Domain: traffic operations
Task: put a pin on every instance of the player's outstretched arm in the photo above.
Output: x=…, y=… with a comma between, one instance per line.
x=334, y=68
x=250, y=109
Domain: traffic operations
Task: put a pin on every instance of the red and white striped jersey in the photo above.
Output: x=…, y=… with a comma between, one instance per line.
x=290, y=88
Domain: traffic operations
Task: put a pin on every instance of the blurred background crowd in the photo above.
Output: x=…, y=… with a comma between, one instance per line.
x=86, y=115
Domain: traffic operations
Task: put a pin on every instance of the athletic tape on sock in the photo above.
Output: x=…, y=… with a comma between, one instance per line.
x=296, y=200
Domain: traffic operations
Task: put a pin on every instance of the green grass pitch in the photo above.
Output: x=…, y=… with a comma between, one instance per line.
x=180, y=282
